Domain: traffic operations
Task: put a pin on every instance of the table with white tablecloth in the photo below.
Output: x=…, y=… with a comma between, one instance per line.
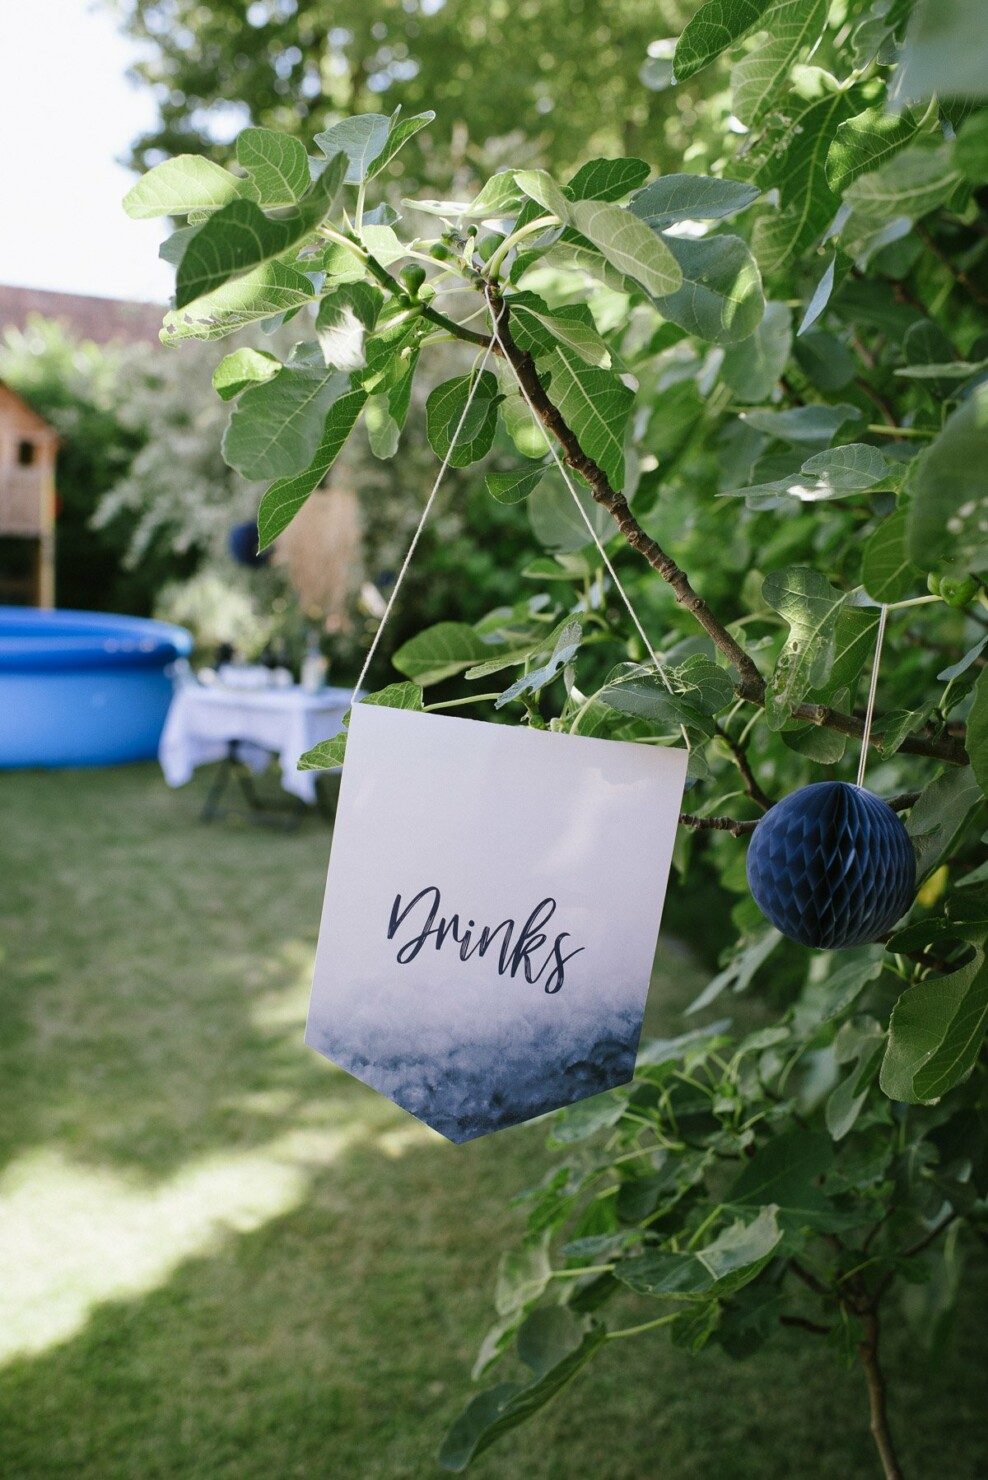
x=205, y=723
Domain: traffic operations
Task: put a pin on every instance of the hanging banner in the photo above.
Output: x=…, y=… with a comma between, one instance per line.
x=491, y=914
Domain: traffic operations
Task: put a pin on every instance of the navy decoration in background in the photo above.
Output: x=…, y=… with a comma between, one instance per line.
x=242, y=543
x=831, y=866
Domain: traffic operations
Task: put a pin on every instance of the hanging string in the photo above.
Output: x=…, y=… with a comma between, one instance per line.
x=427, y=510
x=872, y=689
x=632, y=613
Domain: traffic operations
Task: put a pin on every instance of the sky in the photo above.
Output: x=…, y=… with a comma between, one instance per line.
x=67, y=115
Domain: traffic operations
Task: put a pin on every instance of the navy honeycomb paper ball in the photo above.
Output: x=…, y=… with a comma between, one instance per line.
x=242, y=544
x=832, y=866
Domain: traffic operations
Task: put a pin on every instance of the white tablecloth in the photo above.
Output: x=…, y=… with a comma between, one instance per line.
x=202, y=721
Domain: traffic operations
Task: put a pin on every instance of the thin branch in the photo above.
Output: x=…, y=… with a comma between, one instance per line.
x=945, y=748
x=875, y=397
x=808, y=1278
x=752, y=685
x=805, y=1324
x=929, y=1238
x=385, y=278
x=740, y=754
x=877, y=1398
x=716, y=824
x=957, y=273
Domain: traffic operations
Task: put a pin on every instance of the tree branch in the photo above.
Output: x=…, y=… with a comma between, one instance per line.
x=877, y=1400
x=946, y=748
x=750, y=685
x=395, y=288
x=929, y=1238
x=716, y=824
x=740, y=754
x=805, y=1324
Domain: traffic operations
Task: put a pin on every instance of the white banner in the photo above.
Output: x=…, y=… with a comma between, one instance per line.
x=491, y=914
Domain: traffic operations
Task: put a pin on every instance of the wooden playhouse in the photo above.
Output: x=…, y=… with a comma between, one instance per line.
x=27, y=503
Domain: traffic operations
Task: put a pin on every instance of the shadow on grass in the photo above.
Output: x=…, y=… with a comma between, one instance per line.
x=224, y=1258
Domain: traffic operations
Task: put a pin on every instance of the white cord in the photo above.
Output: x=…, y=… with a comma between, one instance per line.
x=421, y=524
x=427, y=510
x=589, y=523
x=872, y=689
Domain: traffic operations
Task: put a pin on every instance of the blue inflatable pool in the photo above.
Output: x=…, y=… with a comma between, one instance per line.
x=83, y=688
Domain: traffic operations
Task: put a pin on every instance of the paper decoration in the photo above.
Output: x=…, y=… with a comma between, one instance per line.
x=831, y=865
x=491, y=914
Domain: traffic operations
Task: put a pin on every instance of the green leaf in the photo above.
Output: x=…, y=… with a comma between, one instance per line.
x=240, y=237
x=971, y=148
x=909, y=186
x=853, y=468
x=941, y=54
x=564, y=651
x=556, y=521
x=810, y=605
x=555, y=1345
x=787, y=1172
x=673, y=198
x=628, y=245
x=887, y=573
x=537, y=329
x=716, y=25
x=439, y=652
x=498, y=197
x=948, y=516
x=464, y=438
x=360, y=140
x=642, y=693
x=330, y=753
x=515, y=486
x=242, y=368
x=935, y=1033
x=946, y=371
x=606, y=179
x=793, y=26
x=817, y=423
x=737, y=1256
x=740, y=971
x=977, y=732
x=826, y=360
x=277, y=166
x=269, y=290
x=939, y=814
x=346, y=314
x=283, y=499
x=189, y=182
x=383, y=432
x=399, y=134
x=721, y=296
x=799, y=174
x=820, y=296
x=860, y=1044
x=752, y=368
x=522, y=1277
x=276, y=427
x=620, y=237
x=865, y=142
x=594, y=403
x=584, y=1118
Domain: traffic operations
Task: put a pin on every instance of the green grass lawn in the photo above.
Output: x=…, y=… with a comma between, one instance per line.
x=220, y=1256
